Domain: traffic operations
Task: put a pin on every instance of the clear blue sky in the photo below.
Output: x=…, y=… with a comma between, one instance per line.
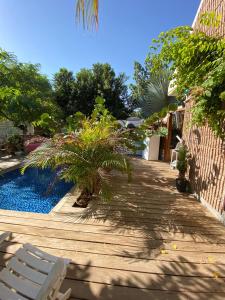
x=45, y=31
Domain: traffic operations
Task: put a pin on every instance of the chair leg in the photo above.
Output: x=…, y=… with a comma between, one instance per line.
x=64, y=296
x=56, y=295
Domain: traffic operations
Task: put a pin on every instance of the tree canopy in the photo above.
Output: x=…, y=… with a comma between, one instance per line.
x=78, y=92
x=25, y=94
x=197, y=66
x=197, y=61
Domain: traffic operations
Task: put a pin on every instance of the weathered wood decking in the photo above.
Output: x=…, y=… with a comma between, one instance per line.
x=149, y=243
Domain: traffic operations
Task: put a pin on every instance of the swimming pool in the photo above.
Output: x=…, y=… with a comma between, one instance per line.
x=31, y=192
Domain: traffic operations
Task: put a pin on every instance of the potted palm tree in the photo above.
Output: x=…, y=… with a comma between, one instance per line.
x=182, y=164
x=86, y=154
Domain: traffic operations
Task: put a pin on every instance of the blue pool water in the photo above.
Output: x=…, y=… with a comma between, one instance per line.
x=32, y=192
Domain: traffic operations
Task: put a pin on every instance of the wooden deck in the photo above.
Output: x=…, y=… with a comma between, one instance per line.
x=149, y=243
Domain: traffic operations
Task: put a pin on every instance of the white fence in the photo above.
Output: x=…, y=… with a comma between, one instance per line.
x=7, y=129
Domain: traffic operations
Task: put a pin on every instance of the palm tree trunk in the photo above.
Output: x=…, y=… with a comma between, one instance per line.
x=83, y=199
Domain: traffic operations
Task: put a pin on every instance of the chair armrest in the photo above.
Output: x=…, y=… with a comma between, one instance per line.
x=4, y=236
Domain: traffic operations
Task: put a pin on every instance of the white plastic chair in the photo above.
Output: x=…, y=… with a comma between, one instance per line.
x=174, y=153
x=33, y=274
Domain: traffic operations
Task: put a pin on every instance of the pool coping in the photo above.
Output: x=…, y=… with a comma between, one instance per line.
x=67, y=201
x=17, y=165
x=65, y=205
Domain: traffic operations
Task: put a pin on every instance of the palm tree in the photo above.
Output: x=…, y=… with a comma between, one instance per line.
x=155, y=96
x=87, y=10
x=87, y=155
x=87, y=164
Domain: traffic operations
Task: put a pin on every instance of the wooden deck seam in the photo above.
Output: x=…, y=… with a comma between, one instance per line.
x=141, y=259
x=143, y=239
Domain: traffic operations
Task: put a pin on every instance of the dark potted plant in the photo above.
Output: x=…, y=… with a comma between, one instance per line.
x=182, y=164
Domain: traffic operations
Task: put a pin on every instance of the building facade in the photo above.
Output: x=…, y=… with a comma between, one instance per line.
x=207, y=163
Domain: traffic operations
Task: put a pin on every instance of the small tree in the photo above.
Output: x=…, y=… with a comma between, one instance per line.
x=25, y=94
x=77, y=92
x=87, y=155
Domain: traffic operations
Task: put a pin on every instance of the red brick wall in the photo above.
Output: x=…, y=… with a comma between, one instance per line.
x=211, y=5
x=207, y=165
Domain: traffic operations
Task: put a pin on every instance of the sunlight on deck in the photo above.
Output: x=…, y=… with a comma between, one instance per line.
x=150, y=242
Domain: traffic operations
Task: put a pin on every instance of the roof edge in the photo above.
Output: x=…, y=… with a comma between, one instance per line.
x=198, y=11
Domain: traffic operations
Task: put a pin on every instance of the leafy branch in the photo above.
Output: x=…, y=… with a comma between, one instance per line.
x=198, y=65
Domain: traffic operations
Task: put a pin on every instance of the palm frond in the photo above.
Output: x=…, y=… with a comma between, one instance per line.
x=87, y=10
x=156, y=96
x=86, y=157
x=105, y=192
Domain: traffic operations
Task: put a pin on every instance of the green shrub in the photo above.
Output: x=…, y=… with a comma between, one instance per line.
x=182, y=162
x=87, y=155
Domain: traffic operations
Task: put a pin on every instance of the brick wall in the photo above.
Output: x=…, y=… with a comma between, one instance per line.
x=211, y=5
x=207, y=165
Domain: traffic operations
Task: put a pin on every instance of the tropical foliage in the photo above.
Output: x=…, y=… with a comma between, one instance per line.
x=154, y=95
x=77, y=92
x=48, y=124
x=25, y=94
x=153, y=125
x=88, y=153
x=27, y=97
x=198, y=65
x=182, y=160
x=87, y=10
x=141, y=77
x=14, y=143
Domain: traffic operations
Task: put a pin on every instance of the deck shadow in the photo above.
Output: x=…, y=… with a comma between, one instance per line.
x=172, y=282
x=151, y=205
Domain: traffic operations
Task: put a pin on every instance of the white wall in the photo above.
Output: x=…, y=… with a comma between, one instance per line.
x=151, y=152
x=7, y=129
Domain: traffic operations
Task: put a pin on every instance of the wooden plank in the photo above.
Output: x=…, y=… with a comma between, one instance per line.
x=127, y=263
x=141, y=280
x=155, y=267
x=137, y=263
x=147, y=213
x=101, y=237
x=152, y=281
x=148, y=204
x=141, y=250
x=163, y=223
x=93, y=291
x=161, y=245
x=69, y=221
x=144, y=231
x=131, y=208
x=182, y=218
